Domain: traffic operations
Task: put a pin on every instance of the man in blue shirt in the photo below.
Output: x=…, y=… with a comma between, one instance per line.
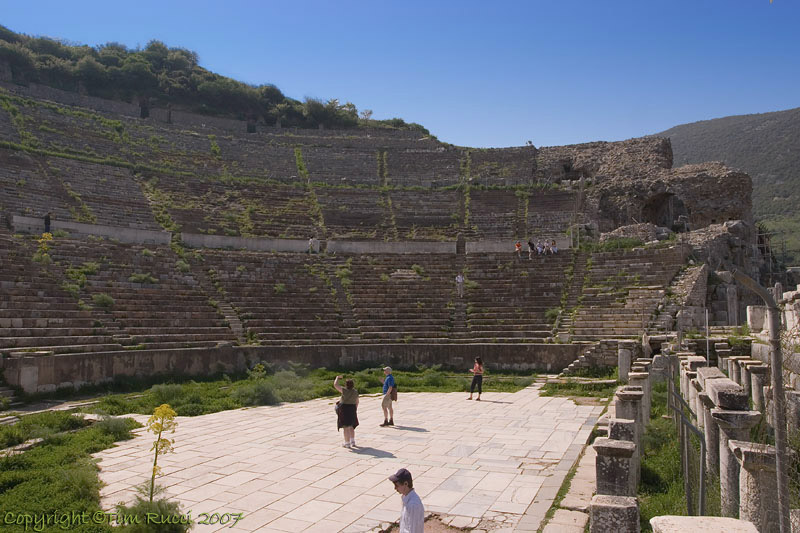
x=386, y=403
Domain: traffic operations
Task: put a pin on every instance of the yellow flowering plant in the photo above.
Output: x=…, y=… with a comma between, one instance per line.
x=162, y=422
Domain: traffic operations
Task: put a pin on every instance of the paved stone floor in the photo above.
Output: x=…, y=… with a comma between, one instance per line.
x=495, y=464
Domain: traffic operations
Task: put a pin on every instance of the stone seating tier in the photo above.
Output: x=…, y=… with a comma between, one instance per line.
x=622, y=292
x=36, y=313
x=174, y=311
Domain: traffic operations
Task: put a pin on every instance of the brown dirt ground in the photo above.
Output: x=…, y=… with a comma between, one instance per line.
x=432, y=525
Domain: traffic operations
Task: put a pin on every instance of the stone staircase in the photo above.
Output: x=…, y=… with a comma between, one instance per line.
x=622, y=292
x=512, y=296
x=280, y=298
x=404, y=297
x=574, y=289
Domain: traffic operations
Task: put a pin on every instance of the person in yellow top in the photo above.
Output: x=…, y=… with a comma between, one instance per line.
x=477, y=378
x=347, y=412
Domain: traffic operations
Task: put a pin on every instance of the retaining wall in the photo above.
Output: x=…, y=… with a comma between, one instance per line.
x=507, y=246
x=198, y=240
x=45, y=373
x=379, y=247
x=127, y=235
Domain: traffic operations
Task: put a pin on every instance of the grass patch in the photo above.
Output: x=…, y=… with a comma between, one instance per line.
x=291, y=383
x=576, y=387
x=661, y=489
x=58, y=476
x=573, y=387
x=38, y=426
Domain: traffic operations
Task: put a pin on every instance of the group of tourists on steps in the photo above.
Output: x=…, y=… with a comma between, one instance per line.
x=540, y=248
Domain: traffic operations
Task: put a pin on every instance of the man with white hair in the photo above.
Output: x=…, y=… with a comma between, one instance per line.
x=389, y=389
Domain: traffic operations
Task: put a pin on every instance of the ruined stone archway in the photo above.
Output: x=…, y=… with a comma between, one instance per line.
x=664, y=209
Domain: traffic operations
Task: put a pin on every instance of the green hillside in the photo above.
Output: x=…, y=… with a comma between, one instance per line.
x=766, y=146
x=160, y=76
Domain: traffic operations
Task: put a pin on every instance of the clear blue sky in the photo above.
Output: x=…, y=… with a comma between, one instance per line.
x=476, y=73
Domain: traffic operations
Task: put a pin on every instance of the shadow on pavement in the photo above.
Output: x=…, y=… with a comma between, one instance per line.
x=409, y=428
x=381, y=454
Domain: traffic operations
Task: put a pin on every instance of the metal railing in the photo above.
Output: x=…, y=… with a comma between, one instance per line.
x=692, y=462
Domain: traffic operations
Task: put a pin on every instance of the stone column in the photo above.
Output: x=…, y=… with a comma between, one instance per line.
x=746, y=366
x=733, y=425
x=758, y=485
x=660, y=368
x=642, y=379
x=723, y=351
x=710, y=433
x=792, y=411
x=613, y=513
x=759, y=377
x=613, y=466
x=624, y=359
x=694, y=402
x=622, y=429
x=734, y=371
x=628, y=405
x=733, y=305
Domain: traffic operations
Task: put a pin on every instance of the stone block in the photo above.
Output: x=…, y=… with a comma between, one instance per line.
x=756, y=318
x=706, y=524
x=707, y=373
x=727, y=395
x=758, y=484
x=570, y=518
x=614, y=513
x=613, y=466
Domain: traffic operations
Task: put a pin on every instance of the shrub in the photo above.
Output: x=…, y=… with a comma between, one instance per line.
x=299, y=369
x=116, y=427
x=166, y=392
x=182, y=265
x=103, y=300
x=279, y=288
x=619, y=243
x=433, y=378
x=255, y=393
x=70, y=288
x=190, y=409
x=147, y=517
x=260, y=371
x=147, y=253
x=81, y=480
x=42, y=258
x=551, y=314
x=142, y=278
x=11, y=436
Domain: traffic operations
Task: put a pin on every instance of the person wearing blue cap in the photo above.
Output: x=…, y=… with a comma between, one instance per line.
x=412, y=517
